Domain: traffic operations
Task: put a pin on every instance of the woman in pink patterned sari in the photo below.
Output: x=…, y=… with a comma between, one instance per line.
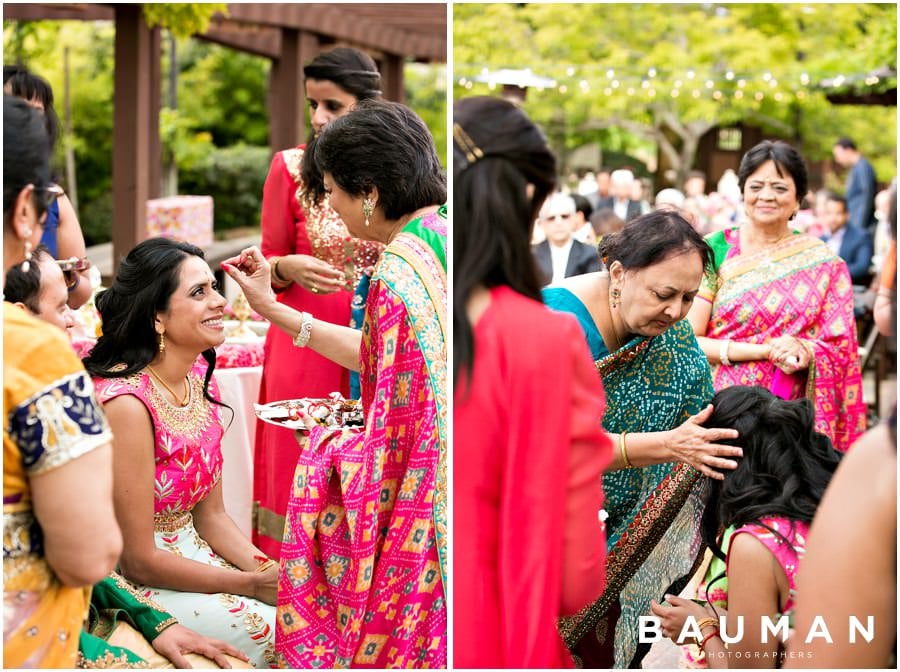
x=779, y=310
x=363, y=559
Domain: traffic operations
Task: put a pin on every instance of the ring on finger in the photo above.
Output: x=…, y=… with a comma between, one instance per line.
x=315, y=289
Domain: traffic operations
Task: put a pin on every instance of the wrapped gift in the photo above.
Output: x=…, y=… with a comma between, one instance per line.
x=185, y=218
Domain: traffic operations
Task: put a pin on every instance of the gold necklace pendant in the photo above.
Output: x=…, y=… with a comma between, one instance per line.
x=187, y=393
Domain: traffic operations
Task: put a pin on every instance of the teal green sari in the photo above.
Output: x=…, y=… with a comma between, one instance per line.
x=653, y=528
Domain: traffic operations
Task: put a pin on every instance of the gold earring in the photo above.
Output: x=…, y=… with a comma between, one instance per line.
x=162, y=342
x=368, y=208
x=614, y=302
x=26, y=265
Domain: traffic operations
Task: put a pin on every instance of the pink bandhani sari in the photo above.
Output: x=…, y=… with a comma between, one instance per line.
x=797, y=287
x=362, y=563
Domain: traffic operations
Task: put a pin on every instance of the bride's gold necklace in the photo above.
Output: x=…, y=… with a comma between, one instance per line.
x=187, y=387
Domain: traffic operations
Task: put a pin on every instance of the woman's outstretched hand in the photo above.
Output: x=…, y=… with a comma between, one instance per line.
x=251, y=271
x=695, y=445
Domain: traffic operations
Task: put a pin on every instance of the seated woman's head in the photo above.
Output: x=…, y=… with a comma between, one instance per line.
x=786, y=464
x=380, y=153
x=655, y=264
x=41, y=289
x=163, y=300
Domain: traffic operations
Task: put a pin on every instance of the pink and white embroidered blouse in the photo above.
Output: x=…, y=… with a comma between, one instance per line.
x=187, y=441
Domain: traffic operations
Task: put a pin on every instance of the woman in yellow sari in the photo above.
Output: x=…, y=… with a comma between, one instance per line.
x=59, y=536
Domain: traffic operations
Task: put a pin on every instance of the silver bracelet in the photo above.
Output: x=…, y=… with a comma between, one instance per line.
x=723, y=352
x=302, y=337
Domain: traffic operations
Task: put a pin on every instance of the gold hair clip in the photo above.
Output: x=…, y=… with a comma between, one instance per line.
x=473, y=152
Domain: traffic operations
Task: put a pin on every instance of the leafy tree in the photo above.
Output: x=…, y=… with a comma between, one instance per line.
x=670, y=73
x=426, y=93
x=182, y=18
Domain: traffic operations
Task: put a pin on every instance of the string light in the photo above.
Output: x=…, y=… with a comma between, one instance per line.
x=688, y=80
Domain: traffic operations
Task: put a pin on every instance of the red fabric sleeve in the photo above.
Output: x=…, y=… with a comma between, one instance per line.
x=280, y=211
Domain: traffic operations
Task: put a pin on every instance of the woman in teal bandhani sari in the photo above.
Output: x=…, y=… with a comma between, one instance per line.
x=658, y=387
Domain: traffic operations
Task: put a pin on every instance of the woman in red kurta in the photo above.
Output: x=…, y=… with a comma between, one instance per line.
x=528, y=449
x=317, y=266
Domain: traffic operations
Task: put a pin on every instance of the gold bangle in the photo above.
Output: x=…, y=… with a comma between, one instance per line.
x=263, y=566
x=275, y=274
x=706, y=622
x=624, y=450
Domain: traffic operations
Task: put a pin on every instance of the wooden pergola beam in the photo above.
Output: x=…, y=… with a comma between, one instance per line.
x=264, y=42
x=332, y=20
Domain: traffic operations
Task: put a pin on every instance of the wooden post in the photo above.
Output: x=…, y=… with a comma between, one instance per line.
x=287, y=97
x=392, y=78
x=135, y=127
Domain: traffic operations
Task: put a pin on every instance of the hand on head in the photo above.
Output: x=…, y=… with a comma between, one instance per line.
x=695, y=445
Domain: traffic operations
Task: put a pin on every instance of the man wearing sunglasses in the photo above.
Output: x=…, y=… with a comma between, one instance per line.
x=560, y=255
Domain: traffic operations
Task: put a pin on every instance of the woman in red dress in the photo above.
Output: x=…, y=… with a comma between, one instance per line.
x=316, y=267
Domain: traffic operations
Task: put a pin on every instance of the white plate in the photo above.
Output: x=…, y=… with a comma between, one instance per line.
x=279, y=412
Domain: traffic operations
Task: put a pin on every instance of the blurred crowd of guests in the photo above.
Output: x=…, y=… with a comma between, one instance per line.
x=854, y=225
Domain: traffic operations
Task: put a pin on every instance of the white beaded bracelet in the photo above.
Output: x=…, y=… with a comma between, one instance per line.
x=723, y=352
x=302, y=337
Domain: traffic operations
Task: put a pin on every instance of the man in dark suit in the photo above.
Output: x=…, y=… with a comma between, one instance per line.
x=860, y=191
x=619, y=201
x=847, y=240
x=560, y=255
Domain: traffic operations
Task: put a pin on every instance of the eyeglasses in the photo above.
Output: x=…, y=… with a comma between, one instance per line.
x=47, y=195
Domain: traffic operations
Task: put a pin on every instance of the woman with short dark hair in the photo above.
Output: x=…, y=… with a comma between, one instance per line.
x=316, y=266
x=364, y=554
x=776, y=308
x=658, y=388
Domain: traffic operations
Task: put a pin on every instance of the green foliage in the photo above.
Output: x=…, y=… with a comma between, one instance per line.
x=179, y=139
x=234, y=177
x=182, y=18
x=426, y=93
x=643, y=68
x=223, y=92
x=221, y=102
